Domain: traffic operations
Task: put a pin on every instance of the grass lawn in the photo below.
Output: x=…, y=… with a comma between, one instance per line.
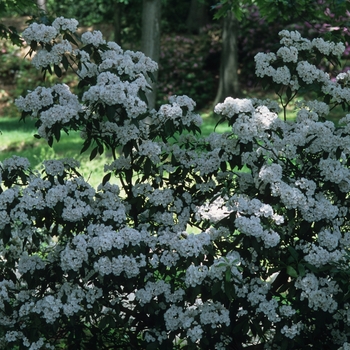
x=17, y=138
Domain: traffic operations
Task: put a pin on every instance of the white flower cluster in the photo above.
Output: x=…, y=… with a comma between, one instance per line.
x=61, y=23
x=175, y=112
x=213, y=211
x=191, y=319
x=150, y=149
x=153, y=289
x=307, y=73
x=30, y=263
x=46, y=58
x=319, y=292
x=252, y=225
x=292, y=331
x=111, y=90
x=250, y=122
x=127, y=264
x=126, y=62
x=15, y=162
x=56, y=105
x=229, y=262
x=40, y=33
x=94, y=38
x=234, y=106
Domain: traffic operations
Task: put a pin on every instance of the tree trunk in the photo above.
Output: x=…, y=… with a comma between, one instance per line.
x=117, y=23
x=197, y=16
x=41, y=5
x=228, y=80
x=150, y=40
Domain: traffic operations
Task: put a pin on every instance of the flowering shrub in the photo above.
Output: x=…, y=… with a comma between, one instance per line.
x=206, y=243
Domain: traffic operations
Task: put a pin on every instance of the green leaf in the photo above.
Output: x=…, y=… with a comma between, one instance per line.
x=86, y=145
x=293, y=253
x=7, y=308
x=148, y=167
x=6, y=234
x=70, y=38
x=58, y=70
x=57, y=132
x=110, y=112
x=338, y=152
x=93, y=153
x=152, y=77
x=65, y=62
x=104, y=322
x=284, y=345
x=228, y=275
x=292, y=272
x=106, y=178
x=143, y=96
x=216, y=288
x=223, y=166
x=301, y=270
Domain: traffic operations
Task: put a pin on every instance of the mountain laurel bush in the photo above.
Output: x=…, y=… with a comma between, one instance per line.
x=231, y=241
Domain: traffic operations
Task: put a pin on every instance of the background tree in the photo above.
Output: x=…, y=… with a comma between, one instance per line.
x=229, y=81
x=197, y=16
x=150, y=40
